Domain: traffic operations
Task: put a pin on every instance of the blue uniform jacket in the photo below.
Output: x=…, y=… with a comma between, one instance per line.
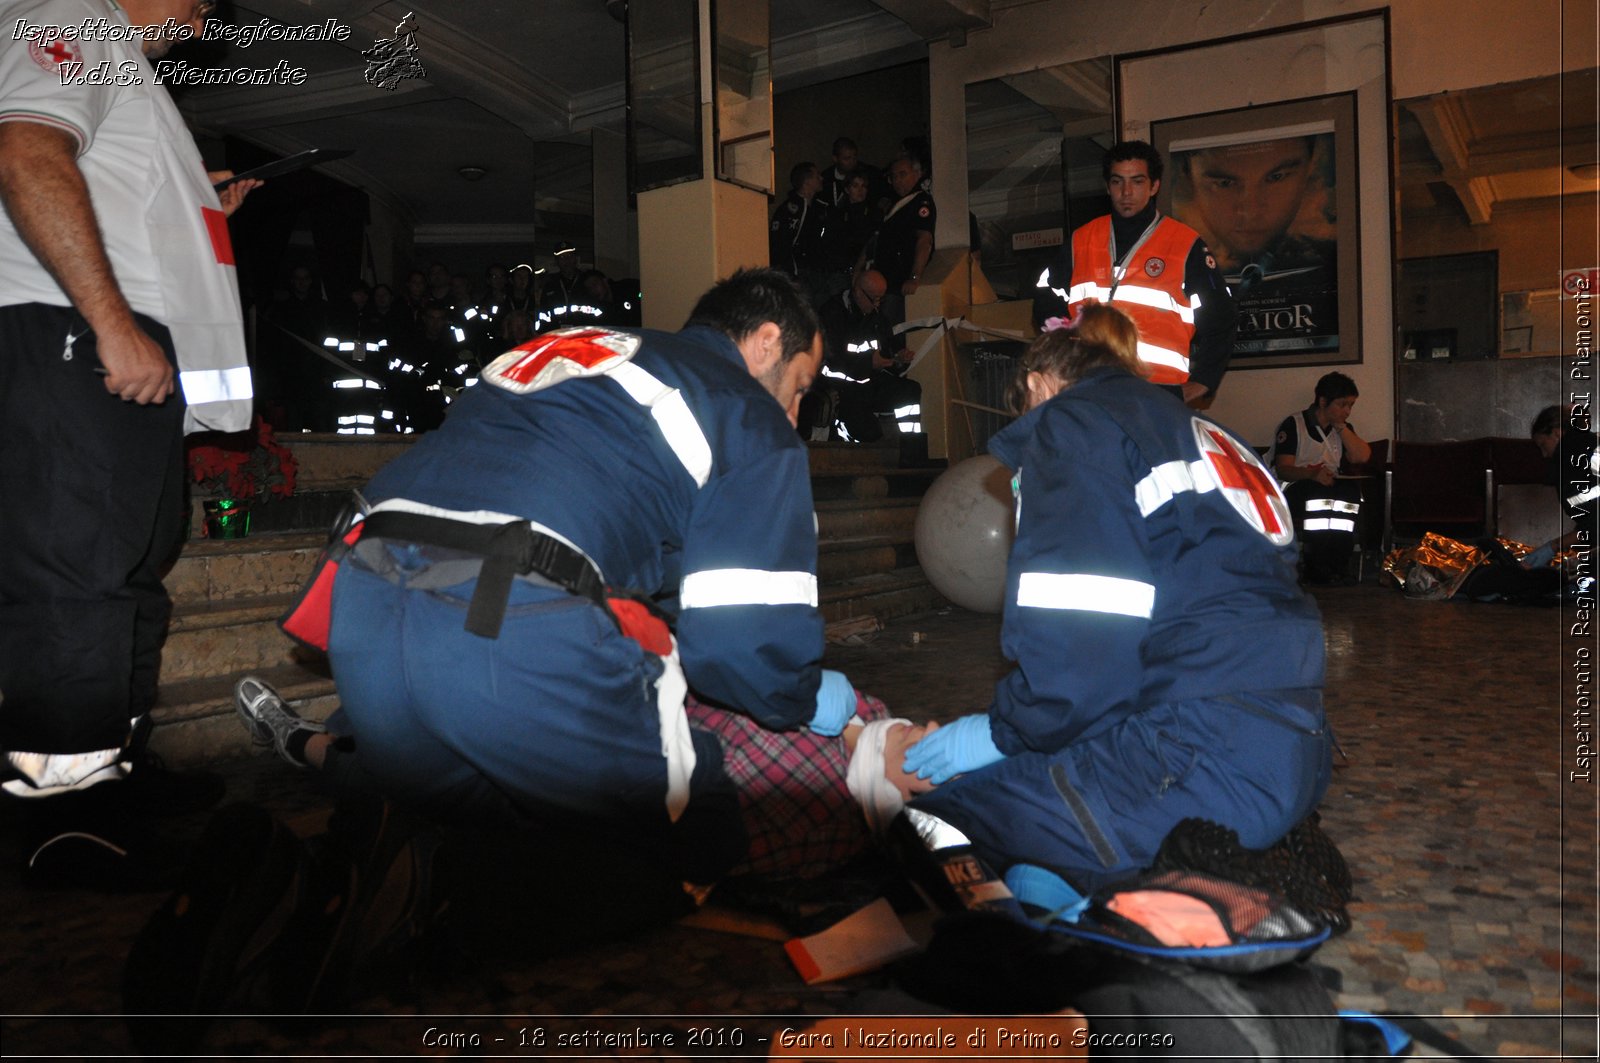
x=587, y=460
x=1153, y=563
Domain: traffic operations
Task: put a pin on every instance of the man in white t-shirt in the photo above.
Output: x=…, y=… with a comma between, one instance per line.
x=1309, y=455
x=119, y=331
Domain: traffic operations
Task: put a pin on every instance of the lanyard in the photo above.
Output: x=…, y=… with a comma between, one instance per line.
x=1117, y=269
x=902, y=203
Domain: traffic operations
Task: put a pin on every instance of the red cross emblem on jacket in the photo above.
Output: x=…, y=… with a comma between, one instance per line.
x=1245, y=483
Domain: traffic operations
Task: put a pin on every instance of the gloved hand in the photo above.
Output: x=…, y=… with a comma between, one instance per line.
x=966, y=745
x=1541, y=557
x=836, y=703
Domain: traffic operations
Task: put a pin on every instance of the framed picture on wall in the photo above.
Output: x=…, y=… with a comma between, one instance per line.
x=1273, y=190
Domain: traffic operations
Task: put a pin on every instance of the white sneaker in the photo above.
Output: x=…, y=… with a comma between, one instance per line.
x=270, y=720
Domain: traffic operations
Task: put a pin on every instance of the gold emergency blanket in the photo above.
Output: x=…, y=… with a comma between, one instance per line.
x=1435, y=568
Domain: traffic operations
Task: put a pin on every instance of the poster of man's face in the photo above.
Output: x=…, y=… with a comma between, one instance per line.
x=1264, y=204
x=1268, y=202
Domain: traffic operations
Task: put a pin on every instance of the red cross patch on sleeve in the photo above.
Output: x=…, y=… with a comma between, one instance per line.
x=49, y=55
x=547, y=360
x=1245, y=483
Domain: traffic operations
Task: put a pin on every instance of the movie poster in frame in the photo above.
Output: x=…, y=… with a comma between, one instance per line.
x=1273, y=190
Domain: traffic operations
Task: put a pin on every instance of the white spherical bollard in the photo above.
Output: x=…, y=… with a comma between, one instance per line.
x=964, y=531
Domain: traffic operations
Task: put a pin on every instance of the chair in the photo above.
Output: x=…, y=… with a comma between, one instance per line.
x=1526, y=507
x=1440, y=487
x=1373, y=521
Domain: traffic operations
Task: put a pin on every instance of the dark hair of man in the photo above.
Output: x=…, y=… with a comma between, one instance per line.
x=1335, y=386
x=1548, y=422
x=738, y=305
x=1129, y=151
x=798, y=174
x=843, y=142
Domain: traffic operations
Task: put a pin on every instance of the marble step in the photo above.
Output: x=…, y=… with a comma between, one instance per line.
x=834, y=459
x=228, y=635
x=325, y=461
x=843, y=559
x=885, y=595
x=261, y=564
x=884, y=483
x=853, y=518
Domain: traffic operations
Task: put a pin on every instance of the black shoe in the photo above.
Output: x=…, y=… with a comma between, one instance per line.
x=154, y=790
x=214, y=936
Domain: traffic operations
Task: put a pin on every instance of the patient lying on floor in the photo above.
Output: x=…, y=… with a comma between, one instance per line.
x=811, y=803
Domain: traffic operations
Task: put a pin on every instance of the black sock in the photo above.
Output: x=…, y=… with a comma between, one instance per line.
x=295, y=746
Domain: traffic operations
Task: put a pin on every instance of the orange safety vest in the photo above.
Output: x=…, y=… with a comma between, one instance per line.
x=1150, y=290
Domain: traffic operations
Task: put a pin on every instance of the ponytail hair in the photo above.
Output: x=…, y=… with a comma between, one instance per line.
x=1100, y=336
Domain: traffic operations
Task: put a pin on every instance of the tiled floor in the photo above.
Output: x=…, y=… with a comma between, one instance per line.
x=1474, y=856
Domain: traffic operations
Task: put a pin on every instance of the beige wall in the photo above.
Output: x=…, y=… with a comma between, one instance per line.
x=1435, y=45
x=1536, y=242
x=692, y=235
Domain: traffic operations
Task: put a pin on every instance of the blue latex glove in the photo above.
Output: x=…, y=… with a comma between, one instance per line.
x=966, y=745
x=836, y=703
x=1541, y=557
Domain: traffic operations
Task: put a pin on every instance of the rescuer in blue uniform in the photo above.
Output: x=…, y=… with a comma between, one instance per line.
x=1168, y=664
x=665, y=465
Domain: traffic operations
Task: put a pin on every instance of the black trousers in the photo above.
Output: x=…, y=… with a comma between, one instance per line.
x=1327, y=532
x=860, y=404
x=91, y=497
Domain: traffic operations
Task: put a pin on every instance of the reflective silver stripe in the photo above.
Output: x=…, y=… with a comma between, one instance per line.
x=1088, y=290
x=1155, y=297
x=1168, y=479
x=46, y=774
x=1085, y=592
x=677, y=745
x=672, y=415
x=907, y=411
x=1136, y=293
x=747, y=586
x=1333, y=505
x=1150, y=354
x=1339, y=524
x=215, y=385
x=835, y=374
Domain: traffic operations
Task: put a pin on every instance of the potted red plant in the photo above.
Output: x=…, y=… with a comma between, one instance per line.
x=232, y=470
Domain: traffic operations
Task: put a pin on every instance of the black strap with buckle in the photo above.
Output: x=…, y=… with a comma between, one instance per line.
x=508, y=550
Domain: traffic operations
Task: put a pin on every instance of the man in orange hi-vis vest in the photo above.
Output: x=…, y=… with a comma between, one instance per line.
x=1156, y=269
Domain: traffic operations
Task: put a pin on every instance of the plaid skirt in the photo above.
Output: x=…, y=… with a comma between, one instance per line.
x=796, y=807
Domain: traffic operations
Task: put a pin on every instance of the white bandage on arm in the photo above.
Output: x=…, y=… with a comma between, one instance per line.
x=879, y=799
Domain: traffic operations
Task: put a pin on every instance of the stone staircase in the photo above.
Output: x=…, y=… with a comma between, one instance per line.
x=228, y=595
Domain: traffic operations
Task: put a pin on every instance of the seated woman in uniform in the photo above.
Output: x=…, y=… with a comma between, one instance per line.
x=1308, y=454
x=1168, y=665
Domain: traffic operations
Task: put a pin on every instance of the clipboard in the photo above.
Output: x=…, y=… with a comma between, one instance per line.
x=309, y=157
